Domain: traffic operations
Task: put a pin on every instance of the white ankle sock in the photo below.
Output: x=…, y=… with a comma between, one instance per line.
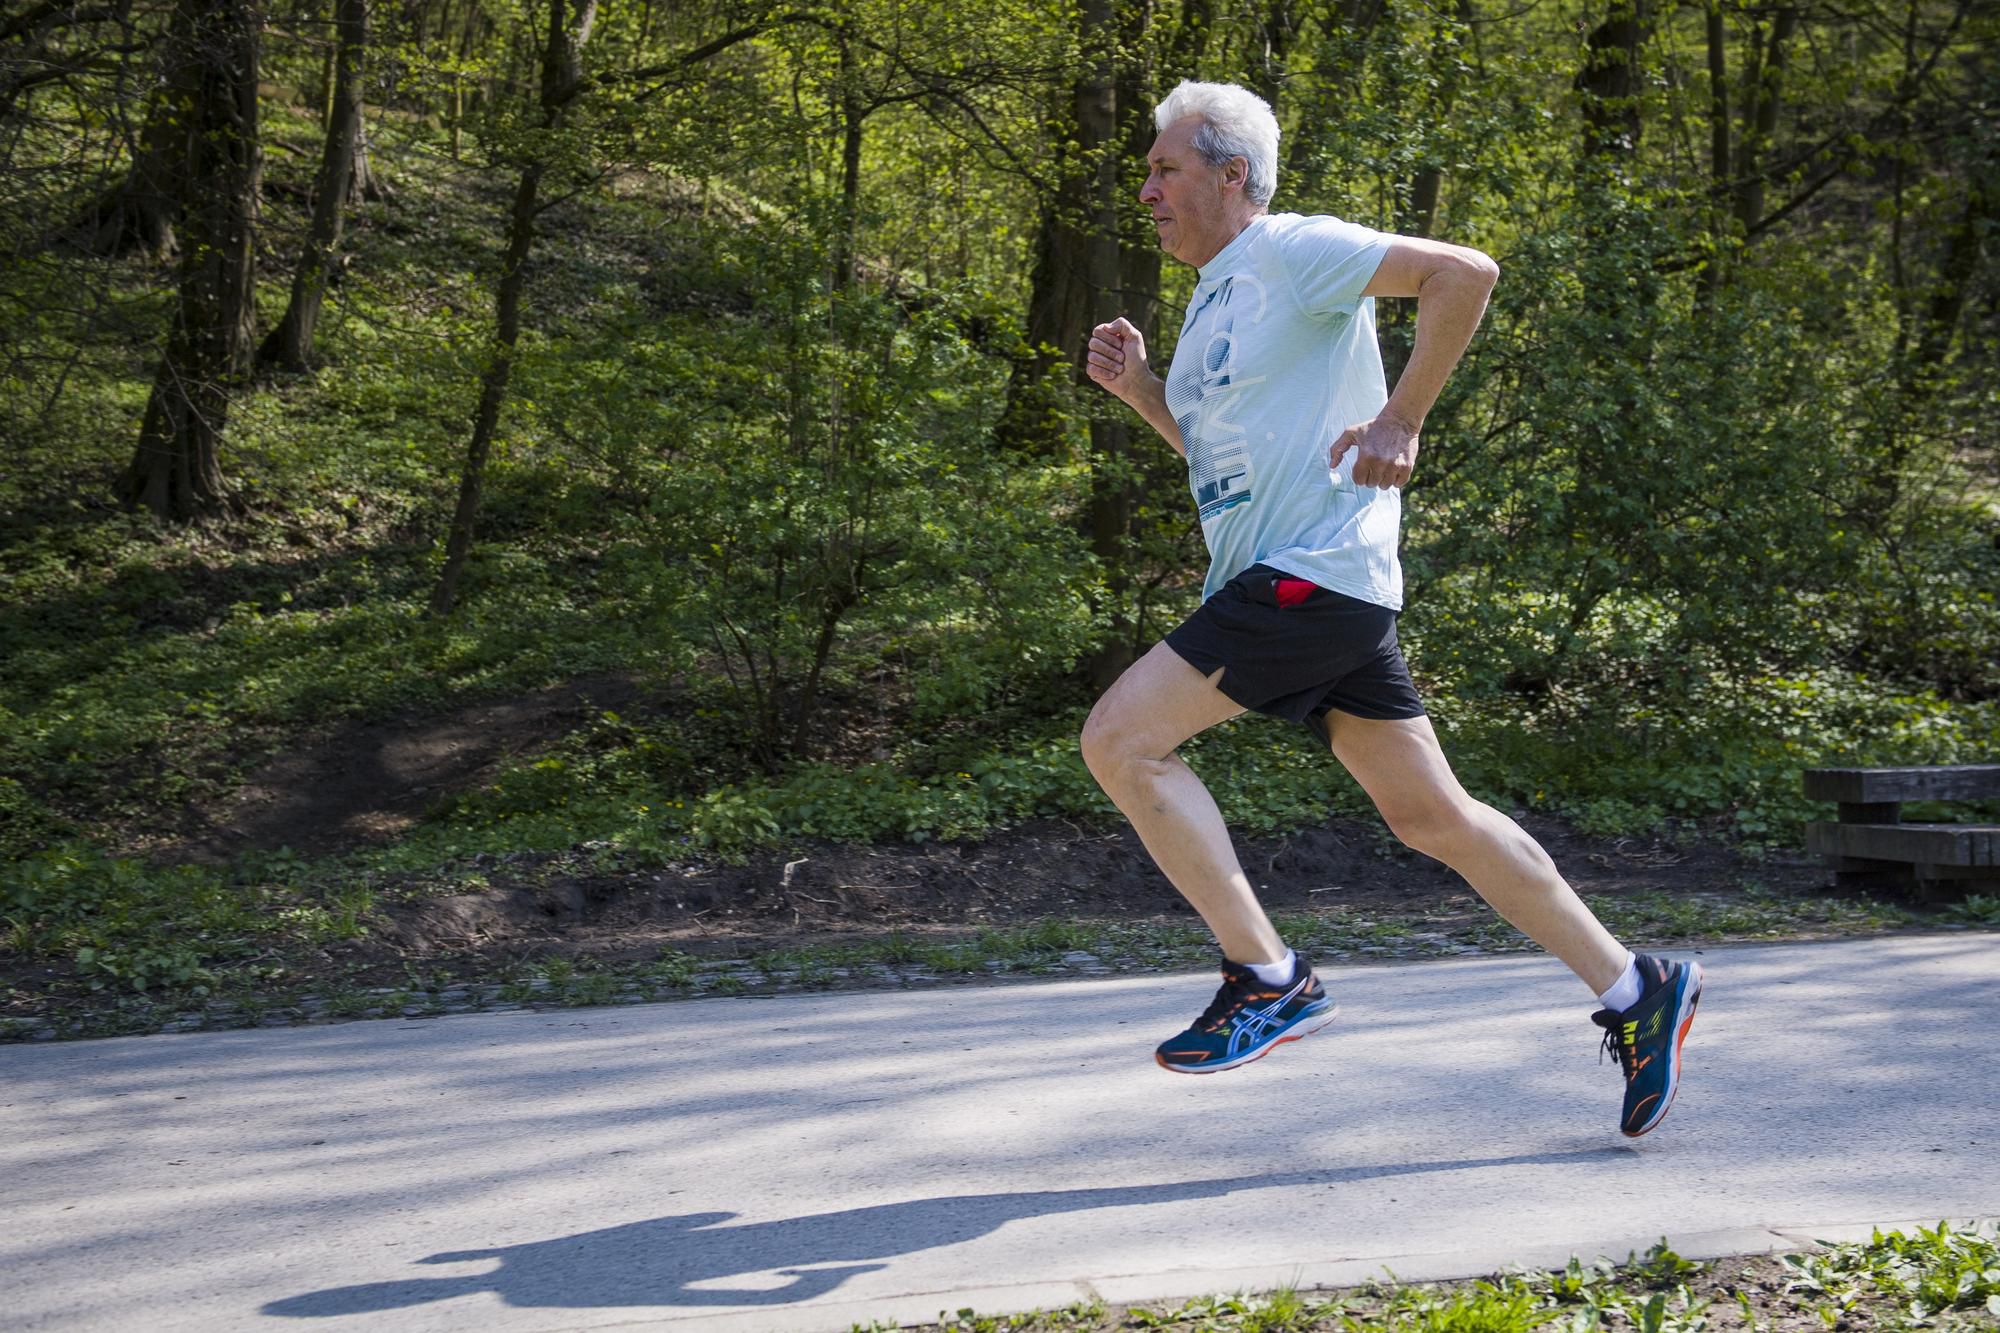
x=1625, y=991
x=1278, y=973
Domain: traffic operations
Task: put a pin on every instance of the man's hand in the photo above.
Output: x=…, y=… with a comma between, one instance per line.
x=1118, y=358
x=1385, y=451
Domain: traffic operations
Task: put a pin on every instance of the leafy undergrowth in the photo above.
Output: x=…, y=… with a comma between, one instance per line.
x=1942, y=1279
x=287, y=974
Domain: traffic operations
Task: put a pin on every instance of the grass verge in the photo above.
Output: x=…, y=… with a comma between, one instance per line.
x=1944, y=1279
x=273, y=985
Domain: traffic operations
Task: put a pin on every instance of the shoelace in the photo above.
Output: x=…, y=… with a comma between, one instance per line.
x=1615, y=1049
x=1227, y=1001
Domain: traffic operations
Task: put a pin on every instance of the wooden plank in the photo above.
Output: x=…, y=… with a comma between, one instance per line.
x=1947, y=782
x=1861, y=865
x=1871, y=812
x=1900, y=885
x=1986, y=874
x=1937, y=844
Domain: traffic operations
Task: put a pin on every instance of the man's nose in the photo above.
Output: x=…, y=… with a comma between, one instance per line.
x=1149, y=191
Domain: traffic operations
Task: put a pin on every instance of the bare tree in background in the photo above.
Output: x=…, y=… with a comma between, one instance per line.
x=289, y=346
x=570, y=22
x=211, y=59
x=74, y=45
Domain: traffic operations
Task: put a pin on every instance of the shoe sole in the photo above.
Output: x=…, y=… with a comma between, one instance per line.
x=1292, y=1033
x=1683, y=1019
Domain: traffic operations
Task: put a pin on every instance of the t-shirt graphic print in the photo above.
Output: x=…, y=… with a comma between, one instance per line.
x=1218, y=457
x=1277, y=355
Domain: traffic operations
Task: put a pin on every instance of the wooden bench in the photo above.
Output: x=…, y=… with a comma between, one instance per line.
x=1871, y=846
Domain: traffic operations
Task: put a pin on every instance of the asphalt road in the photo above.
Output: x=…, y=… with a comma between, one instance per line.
x=809, y=1162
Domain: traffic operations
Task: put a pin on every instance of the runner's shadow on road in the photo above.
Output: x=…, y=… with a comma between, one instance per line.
x=661, y=1261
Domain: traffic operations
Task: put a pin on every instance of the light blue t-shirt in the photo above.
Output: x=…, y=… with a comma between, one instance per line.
x=1276, y=358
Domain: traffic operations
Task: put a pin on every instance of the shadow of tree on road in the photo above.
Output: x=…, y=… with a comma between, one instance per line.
x=660, y=1261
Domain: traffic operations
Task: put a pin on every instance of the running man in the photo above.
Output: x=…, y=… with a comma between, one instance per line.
x=1295, y=452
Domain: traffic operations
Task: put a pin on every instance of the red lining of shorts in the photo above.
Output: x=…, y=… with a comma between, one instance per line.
x=1291, y=591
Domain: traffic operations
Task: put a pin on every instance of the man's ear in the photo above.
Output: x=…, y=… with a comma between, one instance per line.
x=1237, y=172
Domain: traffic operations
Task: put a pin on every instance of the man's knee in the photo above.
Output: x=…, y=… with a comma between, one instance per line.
x=1101, y=743
x=1434, y=824
x=1109, y=745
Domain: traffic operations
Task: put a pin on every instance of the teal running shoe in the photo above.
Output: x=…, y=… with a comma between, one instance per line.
x=1246, y=1019
x=1646, y=1040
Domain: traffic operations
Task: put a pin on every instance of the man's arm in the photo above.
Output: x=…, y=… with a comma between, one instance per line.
x=1117, y=361
x=1451, y=284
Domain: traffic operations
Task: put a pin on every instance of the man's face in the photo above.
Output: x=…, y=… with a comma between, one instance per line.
x=1188, y=197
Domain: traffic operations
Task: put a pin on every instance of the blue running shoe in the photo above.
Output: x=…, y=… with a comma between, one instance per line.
x=1646, y=1039
x=1246, y=1019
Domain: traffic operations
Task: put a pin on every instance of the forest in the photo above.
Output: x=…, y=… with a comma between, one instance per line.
x=696, y=388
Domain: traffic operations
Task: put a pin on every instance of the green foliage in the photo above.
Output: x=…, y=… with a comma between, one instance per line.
x=1851, y=1286
x=1703, y=507
x=1660, y=1266
x=855, y=495
x=1266, y=779
x=1979, y=908
x=124, y=923
x=1620, y=758
x=1938, y=1269
x=1507, y=1306
x=1730, y=542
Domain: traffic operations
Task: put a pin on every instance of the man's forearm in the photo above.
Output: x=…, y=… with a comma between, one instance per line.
x=1450, y=304
x=1150, y=402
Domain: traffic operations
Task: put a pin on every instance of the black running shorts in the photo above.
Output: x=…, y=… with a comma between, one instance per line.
x=1291, y=649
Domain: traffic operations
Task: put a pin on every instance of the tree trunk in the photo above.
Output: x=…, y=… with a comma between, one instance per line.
x=1760, y=115
x=1718, y=151
x=852, y=114
x=139, y=212
x=1427, y=184
x=212, y=57
x=458, y=97
x=1351, y=22
x=1426, y=191
x=1925, y=347
x=1609, y=82
x=1277, y=31
x=562, y=76
x=363, y=185
x=493, y=382
x=1062, y=293
x=1718, y=98
x=327, y=87
x=830, y=617
x=289, y=347
x=1109, y=506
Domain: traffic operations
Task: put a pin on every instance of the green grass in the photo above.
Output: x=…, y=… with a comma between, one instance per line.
x=178, y=981
x=1942, y=1280
x=1757, y=914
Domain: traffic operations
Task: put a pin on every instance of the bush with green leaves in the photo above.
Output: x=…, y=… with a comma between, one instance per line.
x=1935, y=1276
x=853, y=508
x=124, y=923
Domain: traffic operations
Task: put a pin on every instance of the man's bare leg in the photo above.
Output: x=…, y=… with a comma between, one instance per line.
x=1404, y=771
x=1129, y=745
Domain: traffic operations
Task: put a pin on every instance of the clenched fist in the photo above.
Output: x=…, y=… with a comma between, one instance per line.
x=1118, y=358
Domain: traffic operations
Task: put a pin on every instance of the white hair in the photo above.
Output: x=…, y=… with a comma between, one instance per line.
x=1235, y=122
